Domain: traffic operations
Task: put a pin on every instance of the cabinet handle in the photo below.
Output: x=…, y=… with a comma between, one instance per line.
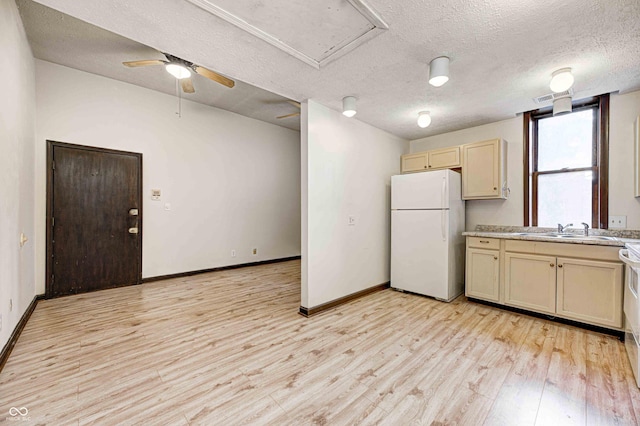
x=495, y=188
x=552, y=265
x=495, y=257
x=429, y=165
x=484, y=242
x=559, y=266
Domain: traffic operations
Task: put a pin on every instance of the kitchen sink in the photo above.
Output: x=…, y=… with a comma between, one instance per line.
x=590, y=237
x=537, y=234
x=565, y=236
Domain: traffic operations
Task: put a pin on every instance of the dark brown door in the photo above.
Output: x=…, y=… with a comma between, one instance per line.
x=94, y=215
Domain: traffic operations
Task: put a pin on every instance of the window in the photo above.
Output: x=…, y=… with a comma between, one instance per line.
x=566, y=165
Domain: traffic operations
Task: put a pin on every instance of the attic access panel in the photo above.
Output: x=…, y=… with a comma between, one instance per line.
x=315, y=32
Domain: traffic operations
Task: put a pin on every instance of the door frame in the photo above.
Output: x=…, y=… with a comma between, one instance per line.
x=48, y=224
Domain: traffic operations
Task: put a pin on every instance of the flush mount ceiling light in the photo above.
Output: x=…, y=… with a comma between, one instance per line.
x=561, y=80
x=178, y=71
x=424, y=119
x=562, y=105
x=349, y=106
x=439, y=71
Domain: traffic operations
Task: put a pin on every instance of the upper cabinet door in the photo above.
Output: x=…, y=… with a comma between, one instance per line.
x=444, y=158
x=414, y=162
x=484, y=174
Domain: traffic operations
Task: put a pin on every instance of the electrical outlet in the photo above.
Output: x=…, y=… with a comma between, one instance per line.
x=255, y=251
x=617, y=221
x=233, y=253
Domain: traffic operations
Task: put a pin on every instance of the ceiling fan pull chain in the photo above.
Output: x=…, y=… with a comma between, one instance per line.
x=179, y=98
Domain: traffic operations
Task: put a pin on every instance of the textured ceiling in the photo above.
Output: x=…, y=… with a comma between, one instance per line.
x=62, y=39
x=502, y=54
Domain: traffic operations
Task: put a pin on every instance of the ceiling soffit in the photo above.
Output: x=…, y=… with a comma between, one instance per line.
x=314, y=32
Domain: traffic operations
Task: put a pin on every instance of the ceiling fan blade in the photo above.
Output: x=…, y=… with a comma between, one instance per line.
x=294, y=103
x=187, y=85
x=143, y=63
x=214, y=76
x=288, y=115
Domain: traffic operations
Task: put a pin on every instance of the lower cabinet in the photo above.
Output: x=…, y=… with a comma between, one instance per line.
x=590, y=291
x=530, y=282
x=547, y=278
x=483, y=274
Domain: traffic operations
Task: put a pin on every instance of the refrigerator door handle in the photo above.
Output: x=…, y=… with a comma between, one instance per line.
x=443, y=221
x=443, y=193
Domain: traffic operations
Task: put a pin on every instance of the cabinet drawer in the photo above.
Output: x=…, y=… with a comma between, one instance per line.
x=485, y=243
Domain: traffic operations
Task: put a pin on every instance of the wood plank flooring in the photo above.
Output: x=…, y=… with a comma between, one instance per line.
x=229, y=347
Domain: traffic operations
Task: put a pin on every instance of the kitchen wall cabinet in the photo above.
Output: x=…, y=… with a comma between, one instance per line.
x=574, y=281
x=417, y=162
x=530, y=282
x=590, y=291
x=484, y=170
x=446, y=158
x=483, y=269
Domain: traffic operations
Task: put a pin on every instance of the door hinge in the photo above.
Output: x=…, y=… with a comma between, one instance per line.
x=53, y=221
x=53, y=165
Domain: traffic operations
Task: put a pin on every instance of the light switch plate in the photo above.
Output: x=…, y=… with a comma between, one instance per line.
x=155, y=194
x=617, y=222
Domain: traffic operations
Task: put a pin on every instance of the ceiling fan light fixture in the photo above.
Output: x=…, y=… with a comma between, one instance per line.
x=178, y=71
x=349, y=106
x=424, y=119
x=561, y=80
x=439, y=71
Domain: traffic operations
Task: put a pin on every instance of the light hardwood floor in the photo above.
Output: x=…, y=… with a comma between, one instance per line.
x=230, y=348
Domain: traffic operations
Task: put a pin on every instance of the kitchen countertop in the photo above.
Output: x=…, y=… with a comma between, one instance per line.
x=620, y=237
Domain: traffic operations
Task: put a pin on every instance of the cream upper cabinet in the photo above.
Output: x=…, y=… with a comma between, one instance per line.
x=484, y=174
x=414, y=162
x=530, y=282
x=445, y=158
x=483, y=274
x=590, y=291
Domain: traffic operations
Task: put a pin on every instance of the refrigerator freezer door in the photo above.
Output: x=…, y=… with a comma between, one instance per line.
x=427, y=190
x=419, y=252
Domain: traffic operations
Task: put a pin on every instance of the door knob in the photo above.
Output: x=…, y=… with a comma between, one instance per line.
x=133, y=230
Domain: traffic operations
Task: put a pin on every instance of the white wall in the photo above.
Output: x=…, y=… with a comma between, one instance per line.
x=622, y=115
x=233, y=182
x=347, y=167
x=623, y=112
x=17, y=114
x=489, y=212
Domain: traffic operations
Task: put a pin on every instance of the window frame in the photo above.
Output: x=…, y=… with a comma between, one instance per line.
x=599, y=165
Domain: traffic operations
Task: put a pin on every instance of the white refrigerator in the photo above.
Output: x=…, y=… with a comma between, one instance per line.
x=427, y=246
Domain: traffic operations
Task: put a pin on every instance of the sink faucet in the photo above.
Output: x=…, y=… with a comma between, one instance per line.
x=562, y=228
x=586, y=229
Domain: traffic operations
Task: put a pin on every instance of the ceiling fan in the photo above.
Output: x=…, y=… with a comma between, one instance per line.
x=295, y=104
x=181, y=69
